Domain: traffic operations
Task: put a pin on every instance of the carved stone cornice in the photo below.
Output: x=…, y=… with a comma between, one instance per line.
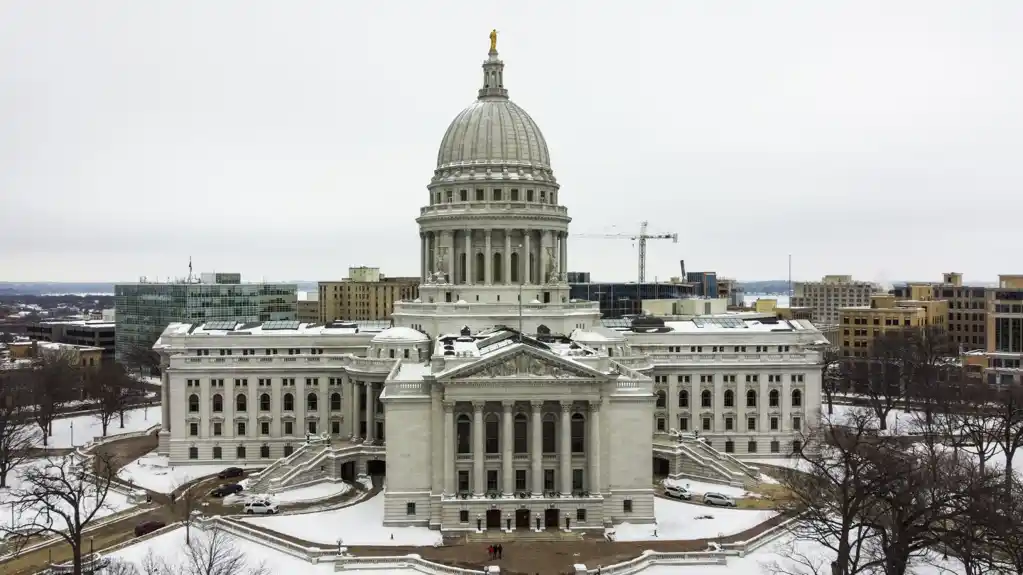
x=449, y=406
x=566, y=407
x=477, y=406
x=508, y=404
x=536, y=405
x=594, y=406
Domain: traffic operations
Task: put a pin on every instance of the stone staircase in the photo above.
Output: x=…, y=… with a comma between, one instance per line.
x=305, y=453
x=311, y=463
x=699, y=461
x=498, y=536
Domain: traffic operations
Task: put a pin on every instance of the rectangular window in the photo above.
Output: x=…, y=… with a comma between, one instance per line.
x=548, y=479
x=706, y=424
x=410, y=508
x=463, y=516
x=241, y=428
x=264, y=428
x=497, y=195
x=218, y=429
x=520, y=479
x=660, y=424
x=335, y=428
x=289, y=428
x=627, y=506
x=683, y=424
x=751, y=424
x=774, y=424
x=463, y=480
x=311, y=427
x=728, y=424
x=580, y=515
x=491, y=480
x=577, y=479
x=193, y=429
x=751, y=447
x=797, y=424
x=514, y=195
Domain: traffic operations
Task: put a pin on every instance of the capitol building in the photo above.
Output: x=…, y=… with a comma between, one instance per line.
x=493, y=402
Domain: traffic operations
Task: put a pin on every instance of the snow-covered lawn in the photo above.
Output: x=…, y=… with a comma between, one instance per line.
x=153, y=472
x=168, y=547
x=12, y=516
x=898, y=421
x=677, y=520
x=700, y=487
x=292, y=496
x=81, y=429
x=359, y=524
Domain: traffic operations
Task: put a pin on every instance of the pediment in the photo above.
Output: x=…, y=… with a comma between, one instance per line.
x=523, y=364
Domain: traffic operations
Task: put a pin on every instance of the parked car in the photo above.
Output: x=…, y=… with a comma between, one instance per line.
x=226, y=489
x=148, y=527
x=231, y=472
x=718, y=499
x=261, y=506
x=678, y=492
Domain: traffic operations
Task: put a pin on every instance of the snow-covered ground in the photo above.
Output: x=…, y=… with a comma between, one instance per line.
x=291, y=496
x=678, y=520
x=168, y=547
x=898, y=421
x=359, y=524
x=153, y=472
x=81, y=429
x=12, y=516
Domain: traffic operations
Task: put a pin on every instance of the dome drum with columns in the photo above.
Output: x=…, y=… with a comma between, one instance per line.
x=493, y=224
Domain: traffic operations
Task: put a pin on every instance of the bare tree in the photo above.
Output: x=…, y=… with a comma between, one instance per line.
x=1005, y=522
x=55, y=381
x=213, y=552
x=832, y=489
x=62, y=498
x=1006, y=415
x=830, y=374
x=141, y=359
x=110, y=386
x=185, y=499
x=17, y=433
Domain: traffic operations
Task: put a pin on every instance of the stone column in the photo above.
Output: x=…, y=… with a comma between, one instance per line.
x=422, y=257
x=564, y=257
x=594, y=456
x=536, y=453
x=356, y=401
x=566, y=448
x=449, y=448
x=477, y=448
x=431, y=247
x=469, y=257
x=545, y=240
x=764, y=406
x=507, y=453
x=527, y=276
x=786, y=404
x=695, y=405
x=488, y=258
x=449, y=244
x=506, y=258
x=370, y=412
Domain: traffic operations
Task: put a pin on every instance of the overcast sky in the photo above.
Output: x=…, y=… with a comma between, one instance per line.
x=290, y=140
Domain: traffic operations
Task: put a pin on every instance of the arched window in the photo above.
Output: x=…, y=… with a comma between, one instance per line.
x=578, y=433
x=218, y=403
x=797, y=398
x=240, y=402
x=264, y=402
x=729, y=398
x=705, y=398
x=289, y=402
x=661, y=399
x=464, y=434
x=683, y=398
x=772, y=398
x=479, y=269
x=310, y=402
x=521, y=433
x=492, y=433
x=391, y=353
x=751, y=398
x=193, y=403
x=462, y=279
x=497, y=269
x=515, y=271
x=548, y=437
x=335, y=402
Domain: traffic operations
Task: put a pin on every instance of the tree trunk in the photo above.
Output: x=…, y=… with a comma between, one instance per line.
x=3, y=481
x=122, y=419
x=104, y=422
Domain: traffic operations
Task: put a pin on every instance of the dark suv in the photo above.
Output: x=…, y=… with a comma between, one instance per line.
x=147, y=527
x=231, y=472
x=225, y=490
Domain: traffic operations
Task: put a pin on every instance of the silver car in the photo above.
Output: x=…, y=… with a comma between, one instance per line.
x=718, y=500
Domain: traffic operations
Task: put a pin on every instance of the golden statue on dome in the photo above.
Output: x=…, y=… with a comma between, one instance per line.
x=493, y=40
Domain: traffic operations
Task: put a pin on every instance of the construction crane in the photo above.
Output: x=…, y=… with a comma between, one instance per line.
x=641, y=237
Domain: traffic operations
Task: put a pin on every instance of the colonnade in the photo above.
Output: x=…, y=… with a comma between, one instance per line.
x=536, y=457
x=368, y=398
x=442, y=251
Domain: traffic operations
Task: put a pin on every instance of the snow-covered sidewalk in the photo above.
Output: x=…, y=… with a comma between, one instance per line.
x=359, y=524
x=154, y=472
x=677, y=520
x=81, y=429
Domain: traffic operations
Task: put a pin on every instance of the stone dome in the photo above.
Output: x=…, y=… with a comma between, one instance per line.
x=400, y=335
x=493, y=130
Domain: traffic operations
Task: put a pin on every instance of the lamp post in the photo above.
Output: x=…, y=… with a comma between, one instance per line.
x=72, y=433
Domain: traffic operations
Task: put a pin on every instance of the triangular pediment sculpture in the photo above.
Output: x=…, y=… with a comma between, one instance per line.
x=523, y=365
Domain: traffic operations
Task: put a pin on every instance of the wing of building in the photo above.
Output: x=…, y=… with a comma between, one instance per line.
x=495, y=400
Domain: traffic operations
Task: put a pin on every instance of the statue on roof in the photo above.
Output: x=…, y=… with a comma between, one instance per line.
x=493, y=40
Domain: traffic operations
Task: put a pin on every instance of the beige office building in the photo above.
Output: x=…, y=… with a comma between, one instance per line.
x=826, y=297
x=366, y=294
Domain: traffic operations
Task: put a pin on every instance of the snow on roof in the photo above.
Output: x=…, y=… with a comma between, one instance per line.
x=54, y=346
x=400, y=334
x=270, y=328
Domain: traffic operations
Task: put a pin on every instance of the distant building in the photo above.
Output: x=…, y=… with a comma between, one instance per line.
x=144, y=309
x=1005, y=331
x=307, y=310
x=861, y=324
x=729, y=289
x=705, y=284
x=967, y=309
x=90, y=333
x=826, y=297
x=366, y=294
x=689, y=307
x=625, y=299
x=84, y=355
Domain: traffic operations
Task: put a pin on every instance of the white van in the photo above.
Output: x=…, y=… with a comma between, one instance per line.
x=263, y=506
x=678, y=492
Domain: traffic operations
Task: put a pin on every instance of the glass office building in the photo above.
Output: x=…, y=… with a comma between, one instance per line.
x=624, y=299
x=143, y=310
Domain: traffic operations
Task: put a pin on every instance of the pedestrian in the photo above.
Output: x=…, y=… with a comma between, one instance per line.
x=500, y=551
x=490, y=551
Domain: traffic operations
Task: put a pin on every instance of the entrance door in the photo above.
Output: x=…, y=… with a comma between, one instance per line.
x=550, y=519
x=493, y=519
x=522, y=519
